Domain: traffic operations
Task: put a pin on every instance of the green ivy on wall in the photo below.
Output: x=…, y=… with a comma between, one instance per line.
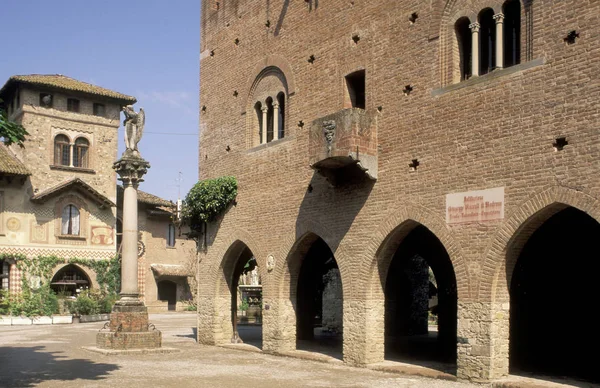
x=207, y=200
x=37, y=298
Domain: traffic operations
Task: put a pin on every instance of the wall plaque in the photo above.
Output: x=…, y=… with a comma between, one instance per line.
x=479, y=206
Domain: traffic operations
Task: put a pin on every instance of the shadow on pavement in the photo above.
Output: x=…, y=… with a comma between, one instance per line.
x=27, y=367
x=193, y=335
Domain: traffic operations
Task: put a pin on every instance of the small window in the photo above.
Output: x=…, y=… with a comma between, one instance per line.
x=80, y=153
x=171, y=236
x=355, y=84
x=465, y=48
x=99, y=110
x=70, y=221
x=46, y=100
x=259, y=120
x=4, y=275
x=62, y=151
x=512, y=33
x=487, y=44
x=269, y=119
x=72, y=105
x=281, y=119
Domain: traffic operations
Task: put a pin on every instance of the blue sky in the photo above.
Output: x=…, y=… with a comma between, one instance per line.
x=145, y=48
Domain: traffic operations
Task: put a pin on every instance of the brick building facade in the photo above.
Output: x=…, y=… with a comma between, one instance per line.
x=463, y=132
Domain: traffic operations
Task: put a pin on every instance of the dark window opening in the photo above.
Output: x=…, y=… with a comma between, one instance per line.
x=355, y=83
x=512, y=33
x=62, y=151
x=281, y=118
x=465, y=47
x=70, y=280
x=99, y=110
x=259, y=119
x=171, y=236
x=269, y=119
x=487, y=41
x=80, y=153
x=4, y=275
x=73, y=105
x=46, y=100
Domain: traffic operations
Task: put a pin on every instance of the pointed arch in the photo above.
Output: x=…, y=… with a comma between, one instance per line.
x=503, y=250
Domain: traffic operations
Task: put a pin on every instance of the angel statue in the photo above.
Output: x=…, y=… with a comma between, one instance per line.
x=134, y=128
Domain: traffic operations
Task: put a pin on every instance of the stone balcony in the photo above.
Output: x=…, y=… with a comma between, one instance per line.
x=343, y=146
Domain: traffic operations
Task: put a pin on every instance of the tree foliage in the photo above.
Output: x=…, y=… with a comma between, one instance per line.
x=207, y=200
x=10, y=132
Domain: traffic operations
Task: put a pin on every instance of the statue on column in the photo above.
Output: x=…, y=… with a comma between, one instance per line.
x=134, y=128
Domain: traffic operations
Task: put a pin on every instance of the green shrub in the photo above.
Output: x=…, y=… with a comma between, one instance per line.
x=107, y=302
x=36, y=302
x=85, y=304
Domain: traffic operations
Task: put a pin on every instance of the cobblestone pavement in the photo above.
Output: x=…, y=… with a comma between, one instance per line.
x=49, y=356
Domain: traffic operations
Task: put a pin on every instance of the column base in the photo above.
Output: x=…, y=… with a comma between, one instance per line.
x=129, y=328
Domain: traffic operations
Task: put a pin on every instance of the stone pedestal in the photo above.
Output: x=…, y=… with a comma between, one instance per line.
x=129, y=327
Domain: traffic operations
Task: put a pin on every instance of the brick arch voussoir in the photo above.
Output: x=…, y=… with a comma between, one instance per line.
x=406, y=215
x=544, y=203
x=220, y=258
x=276, y=61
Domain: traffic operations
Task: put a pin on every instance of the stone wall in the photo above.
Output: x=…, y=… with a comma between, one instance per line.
x=494, y=131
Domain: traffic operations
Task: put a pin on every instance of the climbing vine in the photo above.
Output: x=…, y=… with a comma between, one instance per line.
x=37, y=298
x=207, y=200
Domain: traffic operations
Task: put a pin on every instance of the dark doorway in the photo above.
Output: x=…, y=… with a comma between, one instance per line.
x=553, y=296
x=70, y=280
x=167, y=290
x=246, y=300
x=421, y=303
x=319, y=308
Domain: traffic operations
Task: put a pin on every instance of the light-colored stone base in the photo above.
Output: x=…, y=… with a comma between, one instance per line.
x=411, y=369
x=113, y=352
x=42, y=320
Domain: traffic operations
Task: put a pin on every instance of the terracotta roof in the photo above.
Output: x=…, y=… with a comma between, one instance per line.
x=73, y=184
x=59, y=81
x=148, y=199
x=9, y=164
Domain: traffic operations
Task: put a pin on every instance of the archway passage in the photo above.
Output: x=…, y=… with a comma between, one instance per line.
x=421, y=303
x=167, y=291
x=553, y=298
x=319, y=302
x=246, y=299
x=70, y=280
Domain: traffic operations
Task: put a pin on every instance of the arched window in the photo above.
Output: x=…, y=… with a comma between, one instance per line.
x=487, y=41
x=269, y=103
x=62, y=151
x=171, y=235
x=465, y=47
x=281, y=119
x=259, y=119
x=80, y=153
x=512, y=32
x=70, y=221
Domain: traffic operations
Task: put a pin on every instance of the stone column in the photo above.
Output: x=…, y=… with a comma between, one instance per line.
x=129, y=328
x=263, y=139
x=275, y=120
x=71, y=155
x=499, y=18
x=130, y=170
x=474, y=48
